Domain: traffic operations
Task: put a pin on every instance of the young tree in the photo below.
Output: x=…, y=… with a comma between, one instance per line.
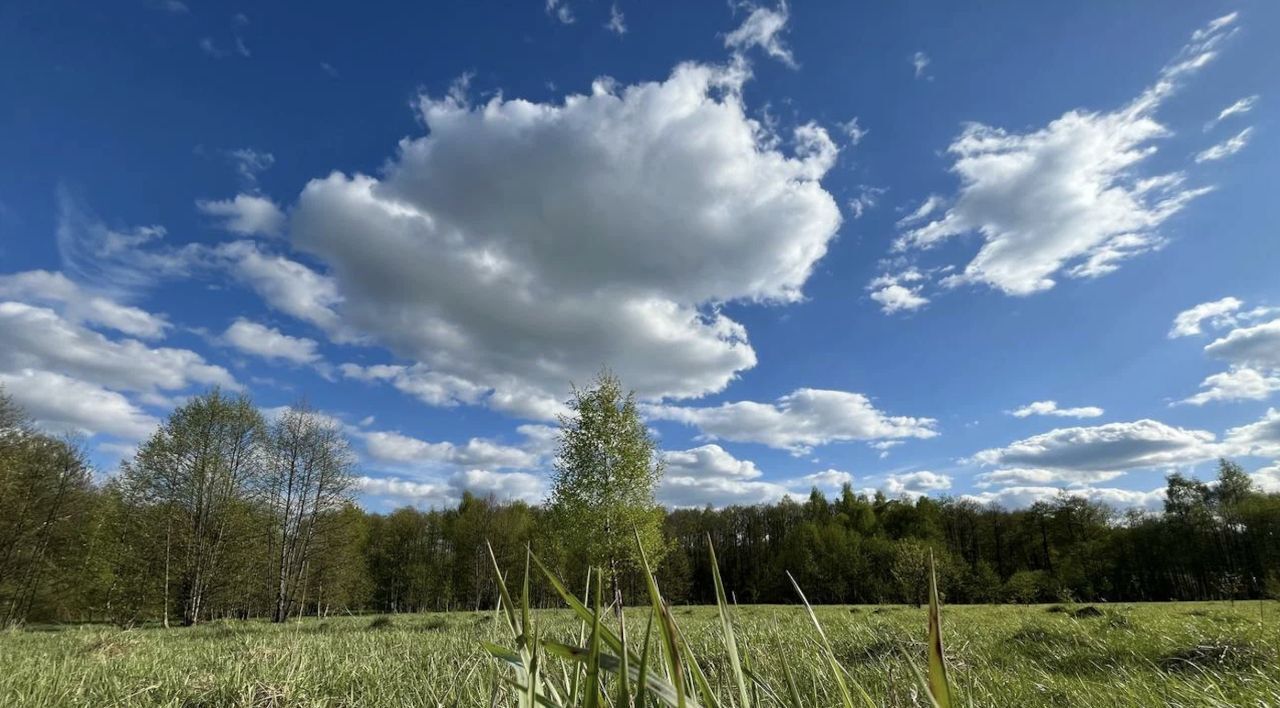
x=307, y=477
x=198, y=469
x=606, y=470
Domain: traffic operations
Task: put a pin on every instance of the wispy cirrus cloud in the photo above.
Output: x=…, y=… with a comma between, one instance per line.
x=1068, y=199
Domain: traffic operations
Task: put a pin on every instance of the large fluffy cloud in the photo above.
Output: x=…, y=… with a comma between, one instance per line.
x=519, y=246
x=1068, y=198
x=798, y=421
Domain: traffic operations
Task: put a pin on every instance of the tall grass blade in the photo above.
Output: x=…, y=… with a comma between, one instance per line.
x=505, y=598
x=846, y=698
x=607, y=635
x=592, y=695
x=525, y=624
x=726, y=625
x=921, y=681
x=624, y=676
x=666, y=630
x=939, y=687
x=793, y=690
x=530, y=698
x=642, y=673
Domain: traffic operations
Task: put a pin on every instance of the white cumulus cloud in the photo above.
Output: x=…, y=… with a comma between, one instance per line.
x=521, y=245
x=899, y=292
x=394, y=447
x=916, y=483
x=39, y=338
x=1113, y=447
x=798, y=421
x=270, y=343
x=1051, y=408
x=710, y=475
x=246, y=214
x=1218, y=313
x=63, y=404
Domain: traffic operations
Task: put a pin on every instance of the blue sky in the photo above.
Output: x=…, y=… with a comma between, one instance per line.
x=995, y=251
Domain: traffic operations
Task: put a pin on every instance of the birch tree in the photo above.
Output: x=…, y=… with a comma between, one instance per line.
x=308, y=479
x=606, y=471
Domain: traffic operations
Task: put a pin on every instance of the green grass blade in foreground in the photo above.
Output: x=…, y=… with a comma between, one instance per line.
x=607, y=635
x=939, y=687
x=593, y=652
x=836, y=672
x=666, y=630
x=642, y=673
x=505, y=596
x=691, y=665
x=726, y=625
x=793, y=691
x=525, y=623
x=921, y=681
x=655, y=686
x=624, y=676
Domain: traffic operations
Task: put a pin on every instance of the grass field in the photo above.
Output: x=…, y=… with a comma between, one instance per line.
x=1181, y=654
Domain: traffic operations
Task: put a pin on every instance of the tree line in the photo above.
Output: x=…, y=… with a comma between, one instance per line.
x=224, y=514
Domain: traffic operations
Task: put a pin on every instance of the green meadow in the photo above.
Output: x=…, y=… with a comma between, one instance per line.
x=1168, y=654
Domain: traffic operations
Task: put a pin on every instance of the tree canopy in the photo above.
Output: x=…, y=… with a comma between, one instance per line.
x=606, y=471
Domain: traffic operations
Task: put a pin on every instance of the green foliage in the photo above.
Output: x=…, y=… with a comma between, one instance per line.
x=1025, y=586
x=197, y=470
x=912, y=569
x=46, y=504
x=606, y=471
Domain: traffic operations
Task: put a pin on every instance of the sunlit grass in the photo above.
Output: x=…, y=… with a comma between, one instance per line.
x=1185, y=654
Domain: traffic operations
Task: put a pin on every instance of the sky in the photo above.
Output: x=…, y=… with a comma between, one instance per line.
x=996, y=251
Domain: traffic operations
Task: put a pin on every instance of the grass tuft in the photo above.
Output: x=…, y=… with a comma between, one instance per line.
x=382, y=622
